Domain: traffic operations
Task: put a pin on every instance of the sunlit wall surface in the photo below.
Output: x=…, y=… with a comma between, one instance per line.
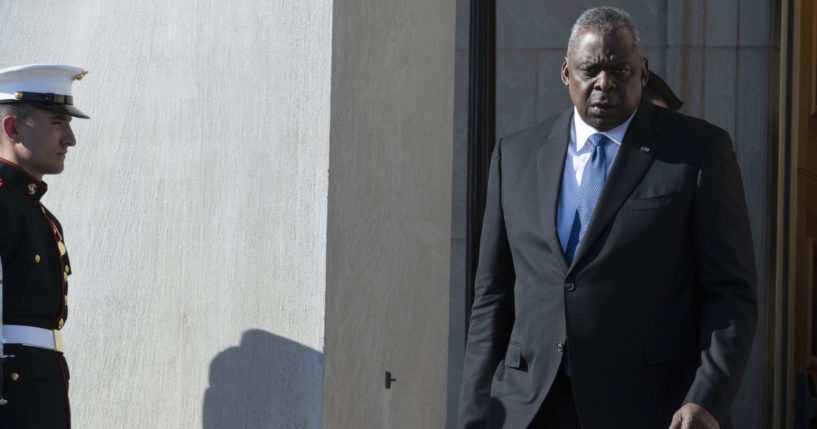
x=194, y=206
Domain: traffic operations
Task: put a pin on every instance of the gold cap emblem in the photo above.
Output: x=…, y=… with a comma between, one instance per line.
x=81, y=75
x=18, y=95
x=32, y=189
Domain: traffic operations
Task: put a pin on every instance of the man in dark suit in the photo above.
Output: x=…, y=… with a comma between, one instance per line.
x=615, y=286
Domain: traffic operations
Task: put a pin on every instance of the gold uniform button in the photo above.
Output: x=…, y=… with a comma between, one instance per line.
x=36, y=259
x=66, y=299
x=62, y=322
x=15, y=376
x=67, y=269
x=65, y=277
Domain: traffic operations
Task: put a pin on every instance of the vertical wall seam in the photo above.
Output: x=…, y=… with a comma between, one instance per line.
x=737, y=73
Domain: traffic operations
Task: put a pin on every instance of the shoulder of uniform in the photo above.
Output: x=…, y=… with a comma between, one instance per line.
x=54, y=219
x=9, y=201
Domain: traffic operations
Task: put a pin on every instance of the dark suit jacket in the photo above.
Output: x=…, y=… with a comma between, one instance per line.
x=657, y=309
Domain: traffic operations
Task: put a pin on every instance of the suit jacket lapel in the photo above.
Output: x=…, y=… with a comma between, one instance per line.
x=550, y=164
x=632, y=160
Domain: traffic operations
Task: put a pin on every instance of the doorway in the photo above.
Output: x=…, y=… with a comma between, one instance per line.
x=797, y=402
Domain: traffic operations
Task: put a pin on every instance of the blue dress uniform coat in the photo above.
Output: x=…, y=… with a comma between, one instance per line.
x=36, y=269
x=656, y=310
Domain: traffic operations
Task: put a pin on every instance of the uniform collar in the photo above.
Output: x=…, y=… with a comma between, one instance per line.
x=16, y=177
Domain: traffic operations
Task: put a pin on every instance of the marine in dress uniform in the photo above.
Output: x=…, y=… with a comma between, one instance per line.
x=36, y=107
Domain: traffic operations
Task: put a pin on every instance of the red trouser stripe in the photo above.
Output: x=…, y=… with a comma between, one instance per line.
x=65, y=383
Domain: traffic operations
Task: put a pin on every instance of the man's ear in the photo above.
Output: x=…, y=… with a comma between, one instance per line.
x=565, y=73
x=10, y=128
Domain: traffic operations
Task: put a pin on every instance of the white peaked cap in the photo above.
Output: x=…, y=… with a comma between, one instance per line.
x=47, y=86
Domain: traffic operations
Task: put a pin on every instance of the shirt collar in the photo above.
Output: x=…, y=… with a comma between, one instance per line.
x=17, y=178
x=584, y=131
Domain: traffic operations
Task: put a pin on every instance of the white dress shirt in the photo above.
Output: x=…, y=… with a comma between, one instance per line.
x=578, y=153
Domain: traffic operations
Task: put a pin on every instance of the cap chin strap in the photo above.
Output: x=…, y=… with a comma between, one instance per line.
x=44, y=97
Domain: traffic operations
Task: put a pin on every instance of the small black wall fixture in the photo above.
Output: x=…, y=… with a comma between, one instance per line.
x=481, y=129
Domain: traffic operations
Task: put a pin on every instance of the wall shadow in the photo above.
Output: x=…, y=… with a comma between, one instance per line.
x=265, y=382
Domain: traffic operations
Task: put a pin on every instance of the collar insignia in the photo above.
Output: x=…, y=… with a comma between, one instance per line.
x=32, y=189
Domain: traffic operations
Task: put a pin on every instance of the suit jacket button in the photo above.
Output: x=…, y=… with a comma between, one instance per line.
x=570, y=287
x=15, y=376
x=560, y=347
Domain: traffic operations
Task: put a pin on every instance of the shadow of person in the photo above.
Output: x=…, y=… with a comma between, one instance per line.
x=266, y=382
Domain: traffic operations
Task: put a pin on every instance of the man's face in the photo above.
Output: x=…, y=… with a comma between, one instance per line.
x=604, y=77
x=42, y=142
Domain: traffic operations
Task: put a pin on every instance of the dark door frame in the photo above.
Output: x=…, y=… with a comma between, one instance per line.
x=481, y=139
x=481, y=130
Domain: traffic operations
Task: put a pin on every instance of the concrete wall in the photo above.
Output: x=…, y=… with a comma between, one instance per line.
x=721, y=57
x=389, y=209
x=194, y=206
x=217, y=245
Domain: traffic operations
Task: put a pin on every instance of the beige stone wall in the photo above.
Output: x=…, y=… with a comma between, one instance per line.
x=389, y=209
x=194, y=206
x=218, y=249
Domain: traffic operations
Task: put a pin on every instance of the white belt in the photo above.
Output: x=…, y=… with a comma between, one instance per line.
x=33, y=337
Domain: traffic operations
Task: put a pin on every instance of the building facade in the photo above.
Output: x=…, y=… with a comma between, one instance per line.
x=267, y=212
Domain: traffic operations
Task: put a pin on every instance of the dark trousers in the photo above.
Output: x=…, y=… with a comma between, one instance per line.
x=558, y=411
x=35, y=384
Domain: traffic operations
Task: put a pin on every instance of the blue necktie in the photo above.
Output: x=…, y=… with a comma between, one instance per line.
x=593, y=177
x=595, y=172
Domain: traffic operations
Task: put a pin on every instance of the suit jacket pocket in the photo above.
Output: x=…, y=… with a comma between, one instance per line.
x=667, y=350
x=650, y=203
x=513, y=357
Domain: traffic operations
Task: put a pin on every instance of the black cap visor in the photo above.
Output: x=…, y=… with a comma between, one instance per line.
x=67, y=109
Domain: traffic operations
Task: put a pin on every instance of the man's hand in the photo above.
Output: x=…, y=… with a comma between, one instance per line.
x=693, y=416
